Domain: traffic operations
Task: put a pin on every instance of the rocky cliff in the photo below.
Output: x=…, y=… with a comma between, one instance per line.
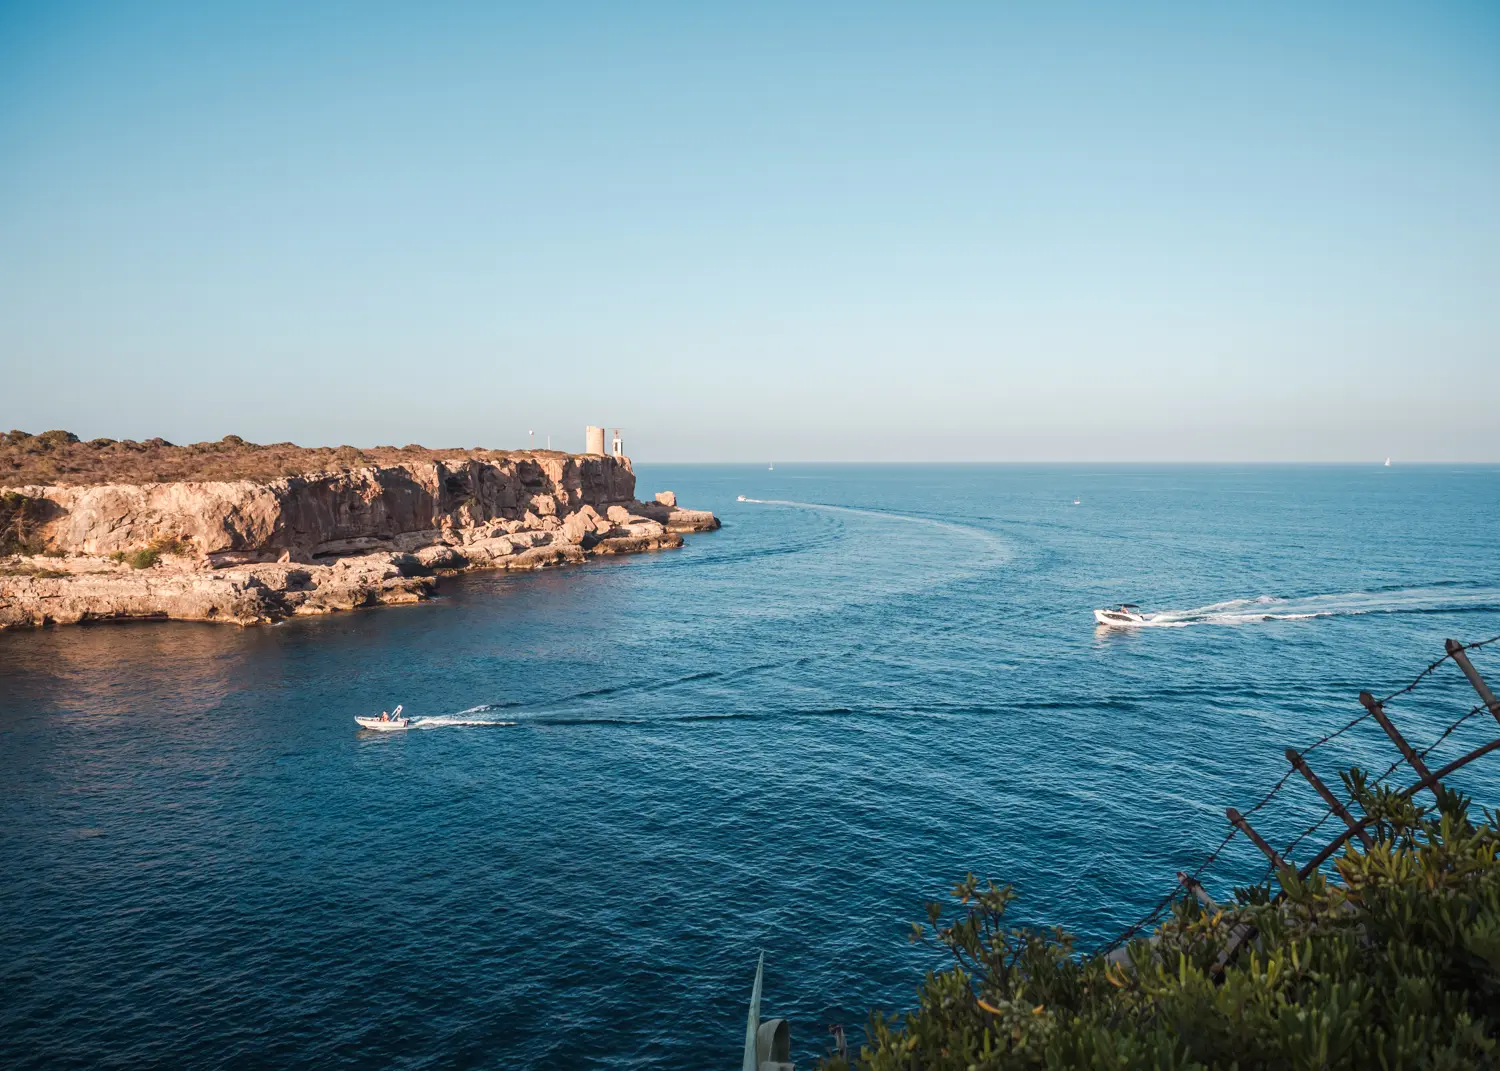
x=249, y=551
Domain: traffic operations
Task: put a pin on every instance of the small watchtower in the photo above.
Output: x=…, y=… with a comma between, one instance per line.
x=619, y=447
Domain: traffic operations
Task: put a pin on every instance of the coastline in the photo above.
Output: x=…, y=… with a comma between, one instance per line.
x=249, y=552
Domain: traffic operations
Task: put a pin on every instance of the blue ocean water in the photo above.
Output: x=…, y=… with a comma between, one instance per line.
x=631, y=776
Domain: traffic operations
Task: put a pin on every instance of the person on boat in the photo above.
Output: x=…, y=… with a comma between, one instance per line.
x=384, y=716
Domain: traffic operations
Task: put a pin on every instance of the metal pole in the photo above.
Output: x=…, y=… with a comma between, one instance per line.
x=1427, y=782
x=1328, y=797
x=1238, y=821
x=1456, y=652
x=1412, y=758
x=1190, y=883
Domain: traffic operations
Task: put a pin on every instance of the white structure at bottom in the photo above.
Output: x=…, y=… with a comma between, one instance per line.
x=619, y=447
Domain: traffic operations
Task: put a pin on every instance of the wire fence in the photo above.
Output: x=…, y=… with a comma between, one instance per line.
x=1374, y=709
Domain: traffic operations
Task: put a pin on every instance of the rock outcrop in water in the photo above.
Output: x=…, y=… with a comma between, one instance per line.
x=255, y=551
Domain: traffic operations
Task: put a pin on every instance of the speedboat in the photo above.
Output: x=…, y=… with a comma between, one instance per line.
x=390, y=724
x=1127, y=615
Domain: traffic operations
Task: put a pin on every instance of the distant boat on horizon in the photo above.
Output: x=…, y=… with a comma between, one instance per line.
x=771, y=467
x=1387, y=462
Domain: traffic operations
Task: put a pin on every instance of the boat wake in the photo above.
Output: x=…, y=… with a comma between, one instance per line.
x=468, y=717
x=994, y=543
x=1430, y=600
x=441, y=722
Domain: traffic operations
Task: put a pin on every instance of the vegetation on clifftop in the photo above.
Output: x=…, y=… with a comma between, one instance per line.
x=1395, y=964
x=60, y=457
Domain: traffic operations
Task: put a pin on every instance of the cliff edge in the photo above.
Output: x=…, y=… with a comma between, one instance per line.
x=378, y=529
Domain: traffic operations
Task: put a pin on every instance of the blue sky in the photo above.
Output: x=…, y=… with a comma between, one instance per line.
x=829, y=232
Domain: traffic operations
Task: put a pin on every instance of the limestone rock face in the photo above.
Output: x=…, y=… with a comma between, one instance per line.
x=323, y=512
x=676, y=519
x=245, y=596
x=576, y=528
x=246, y=553
x=441, y=557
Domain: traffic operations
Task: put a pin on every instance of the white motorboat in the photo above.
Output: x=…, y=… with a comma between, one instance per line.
x=1126, y=615
x=388, y=724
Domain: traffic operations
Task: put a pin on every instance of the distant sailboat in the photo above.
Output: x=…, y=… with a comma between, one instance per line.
x=1387, y=462
x=772, y=467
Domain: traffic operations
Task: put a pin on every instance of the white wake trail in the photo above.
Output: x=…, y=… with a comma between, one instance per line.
x=1347, y=604
x=462, y=718
x=995, y=543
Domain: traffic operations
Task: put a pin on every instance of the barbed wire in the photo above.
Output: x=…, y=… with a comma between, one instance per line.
x=1213, y=856
x=1286, y=853
x=1432, y=667
x=1181, y=887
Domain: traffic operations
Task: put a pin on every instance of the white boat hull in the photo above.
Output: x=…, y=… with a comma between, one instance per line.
x=382, y=726
x=1119, y=619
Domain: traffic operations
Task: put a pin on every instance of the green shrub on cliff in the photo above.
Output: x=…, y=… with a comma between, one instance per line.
x=147, y=556
x=18, y=521
x=1396, y=964
x=170, y=544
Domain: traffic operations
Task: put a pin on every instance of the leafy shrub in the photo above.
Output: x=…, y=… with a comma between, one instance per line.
x=56, y=437
x=1395, y=964
x=144, y=558
x=170, y=545
x=18, y=520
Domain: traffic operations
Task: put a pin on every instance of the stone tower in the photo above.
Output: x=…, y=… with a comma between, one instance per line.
x=593, y=440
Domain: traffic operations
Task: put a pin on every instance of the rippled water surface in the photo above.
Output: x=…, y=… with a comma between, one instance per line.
x=632, y=775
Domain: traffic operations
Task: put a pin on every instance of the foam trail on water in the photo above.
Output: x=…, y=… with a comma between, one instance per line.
x=1349, y=604
x=994, y=543
x=463, y=717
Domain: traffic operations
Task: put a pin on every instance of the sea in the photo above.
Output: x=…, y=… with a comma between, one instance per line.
x=627, y=780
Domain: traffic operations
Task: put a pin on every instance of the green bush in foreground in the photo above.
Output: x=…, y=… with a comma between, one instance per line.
x=1394, y=965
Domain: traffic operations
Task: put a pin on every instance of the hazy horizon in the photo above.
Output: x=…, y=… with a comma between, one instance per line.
x=1250, y=233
